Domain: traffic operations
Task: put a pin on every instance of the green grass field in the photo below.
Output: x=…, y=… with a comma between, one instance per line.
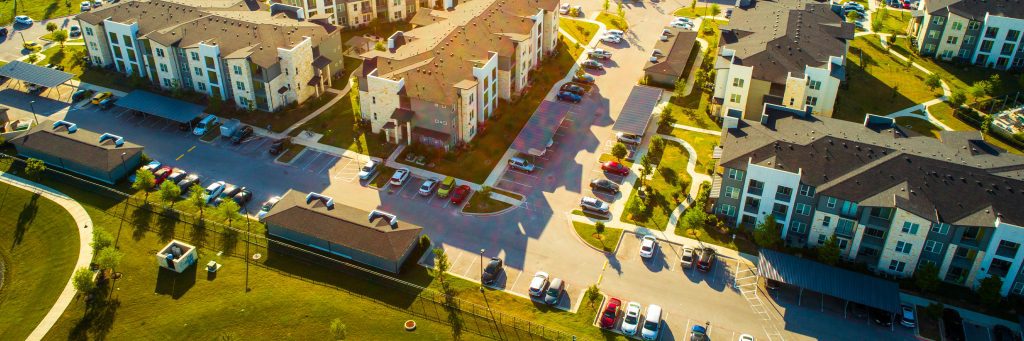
x=921, y=126
x=880, y=84
x=669, y=177
x=703, y=144
x=612, y=21
x=606, y=240
x=479, y=204
x=39, y=246
x=36, y=9
x=582, y=31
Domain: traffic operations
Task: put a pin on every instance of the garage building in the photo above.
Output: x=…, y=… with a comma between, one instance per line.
x=99, y=156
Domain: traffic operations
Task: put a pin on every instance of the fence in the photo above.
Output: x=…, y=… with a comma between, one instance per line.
x=460, y=314
x=998, y=104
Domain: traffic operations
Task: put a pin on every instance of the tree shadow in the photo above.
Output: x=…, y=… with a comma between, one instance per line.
x=140, y=219
x=100, y=313
x=25, y=219
x=670, y=175
x=199, y=234
x=229, y=240
x=166, y=224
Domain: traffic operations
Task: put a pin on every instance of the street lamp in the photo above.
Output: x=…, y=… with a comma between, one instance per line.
x=123, y=168
x=481, y=270
x=247, y=234
x=32, y=106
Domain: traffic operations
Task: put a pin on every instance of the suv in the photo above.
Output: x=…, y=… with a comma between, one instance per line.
x=706, y=260
x=241, y=134
x=555, y=291
x=687, y=259
x=593, y=204
x=604, y=185
x=538, y=284
x=491, y=272
x=520, y=163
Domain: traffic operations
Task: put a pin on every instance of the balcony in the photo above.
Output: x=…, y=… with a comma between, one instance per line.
x=750, y=209
x=880, y=223
x=1007, y=252
x=755, y=190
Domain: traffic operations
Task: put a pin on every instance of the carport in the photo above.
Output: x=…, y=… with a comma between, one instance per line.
x=541, y=128
x=35, y=74
x=840, y=283
x=161, y=106
x=636, y=113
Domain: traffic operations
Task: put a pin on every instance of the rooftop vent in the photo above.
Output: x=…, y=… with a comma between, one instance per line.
x=325, y=200
x=118, y=141
x=71, y=127
x=390, y=218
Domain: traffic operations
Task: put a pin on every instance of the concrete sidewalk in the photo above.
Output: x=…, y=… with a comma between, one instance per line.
x=84, y=222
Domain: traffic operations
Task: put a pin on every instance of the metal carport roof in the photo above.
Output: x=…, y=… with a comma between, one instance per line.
x=162, y=106
x=35, y=74
x=541, y=127
x=840, y=283
x=636, y=113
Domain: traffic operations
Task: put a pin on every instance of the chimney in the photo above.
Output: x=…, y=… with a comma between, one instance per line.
x=118, y=141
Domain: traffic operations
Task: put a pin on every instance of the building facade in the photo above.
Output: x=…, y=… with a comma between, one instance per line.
x=359, y=13
x=254, y=58
x=796, y=61
x=439, y=83
x=893, y=201
x=983, y=33
x=102, y=157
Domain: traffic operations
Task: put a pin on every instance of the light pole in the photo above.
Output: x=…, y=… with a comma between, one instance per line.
x=481, y=270
x=247, y=233
x=123, y=168
x=32, y=106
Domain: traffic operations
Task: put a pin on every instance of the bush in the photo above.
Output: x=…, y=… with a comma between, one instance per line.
x=599, y=226
x=424, y=241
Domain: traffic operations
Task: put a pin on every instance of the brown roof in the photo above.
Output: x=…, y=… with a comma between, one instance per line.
x=81, y=146
x=975, y=9
x=343, y=225
x=676, y=53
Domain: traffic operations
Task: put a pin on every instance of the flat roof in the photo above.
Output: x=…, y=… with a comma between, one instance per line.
x=35, y=74
x=541, y=127
x=636, y=113
x=829, y=280
x=162, y=106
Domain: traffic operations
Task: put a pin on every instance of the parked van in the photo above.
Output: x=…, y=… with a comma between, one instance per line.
x=204, y=125
x=520, y=163
x=652, y=322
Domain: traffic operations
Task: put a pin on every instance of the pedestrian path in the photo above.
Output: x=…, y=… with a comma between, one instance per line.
x=84, y=223
x=695, y=129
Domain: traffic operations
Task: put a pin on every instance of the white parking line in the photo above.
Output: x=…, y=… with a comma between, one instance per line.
x=456, y=261
x=319, y=154
x=516, y=281
x=327, y=166
x=521, y=184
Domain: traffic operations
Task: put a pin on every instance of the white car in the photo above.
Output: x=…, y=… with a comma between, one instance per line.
x=400, y=176
x=213, y=190
x=427, y=188
x=618, y=33
x=539, y=284
x=611, y=39
x=23, y=19
x=86, y=5
x=628, y=138
x=369, y=169
x=600, y=54
x=681, y=19
x=652, y=322
x=647, y=246
x=265, y=208
x=746, y=337
x=593, y=204
x=687, y=258
x=631, y=319
x=97, y=3
x=907, y=316
x=682, y=25
x=563, y=9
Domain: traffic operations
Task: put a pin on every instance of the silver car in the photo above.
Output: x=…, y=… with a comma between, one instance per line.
x=593, y=204
x=628, y=138
x=427, y=188
x=369, y=169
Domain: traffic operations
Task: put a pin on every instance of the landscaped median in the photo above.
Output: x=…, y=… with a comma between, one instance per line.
x=666, y=188
x=598, y=236
x=580, y=30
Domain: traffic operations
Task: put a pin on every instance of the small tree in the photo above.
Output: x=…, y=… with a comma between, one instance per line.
x=51, y=26
x=957, y=99
x=927, y=277
x=32, y=58
x=593, y=294
x=646, y=168
x=619, y=151
x=934, y=310
x=694, y=218
x=829, y=252
x=197, y=199
x=338, y=329
x=228, y=210
x=441, y=265
x=144, y=181
x=101, y=239
x=980, y=89
x=657, y=145
x=876, y=20
x=767, y=234
x=169, y=192
x=606, y=5
x=994, y=83
x=621, y=11
x=379, y=46
x=715, y=10
x=933, y=81
x=83, y=280
x=34, y=167
x=599, y=226
x=987, y=123
x=60, y=37
x=109, y=257
x=666, y=120
x=989, y=291
x=679, y=90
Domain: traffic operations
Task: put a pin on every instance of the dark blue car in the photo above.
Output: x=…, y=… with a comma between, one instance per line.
x=569, y=97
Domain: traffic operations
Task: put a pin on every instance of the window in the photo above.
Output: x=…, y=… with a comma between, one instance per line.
x=826, y=221
x=880, y=212
x=194, y=55
x=807, y=191
x=798, y=227
x=201, y=86
x=940, y=228
x=160, y=52
x=735, y=98
x=1018, y=288
x=845, y=227
x=897, y=266
x=929, y=47
x=910, y=228
x=167, y=82
x=849, y=208
x=780, y=211
x=752, y=205
x=991, y=32
x=830, y=202
x=933, y=34
x=737, y=82
x=814, y=85
x=968, y=40
x=199, y=72
x=783, y=193
x=938, y=20
x=163, y=67
x=933, y=246
x=113, y=37
x=732, y=192
x=210, y=63
x=1007, y=249
x=1007, y=49
x=957, y=26
x=974, y=25
x=237, y=69
x=903, y=247
x=803, y=209
x=735, y=174
x=951, y=40
x=239, y=85
x=127, y=41
x=117, y=53
x=755, y=187
x=131, y=55
x=811, y=100
x=211, y=77
x=88, y=31
x=727, y=210
x=821, y=239
x=963, y=53
x=874, y=233
x=971, y=233
x=93, y=46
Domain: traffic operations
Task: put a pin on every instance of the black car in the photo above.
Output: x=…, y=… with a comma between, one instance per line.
x=3, y=32
x=243, y=196
x=1002, y=333
x=189, y=180
x=81, y=94
x=241, y=134
x=858, y=310
x=953, y=325
x=604, y=185
x=187, y=126
x=706, y=260
x=492, y=271
x=880, y=317
x=583, y=78
x=278, y=146
x=574, y=88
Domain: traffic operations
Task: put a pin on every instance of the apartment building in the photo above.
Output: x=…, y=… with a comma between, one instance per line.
x=787, y=52
x=232, y=50
x=439, y=83
x=357, y=13
x=894, y=200
x=979, y=32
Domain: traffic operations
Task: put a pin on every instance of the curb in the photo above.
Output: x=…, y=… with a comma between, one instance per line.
x=580, y=238
x=462, y=210
x=289, y=162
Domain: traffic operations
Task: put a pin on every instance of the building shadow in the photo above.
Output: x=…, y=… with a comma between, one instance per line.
x=175, y=284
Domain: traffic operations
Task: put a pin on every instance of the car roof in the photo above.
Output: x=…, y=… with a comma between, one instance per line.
x=556, y=283
x=653, y=312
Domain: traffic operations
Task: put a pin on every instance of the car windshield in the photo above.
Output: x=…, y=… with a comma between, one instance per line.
x=553, y=291
x=446, y=186
x=609, y=313
x=427, y=185
x=630, y=319
x=492, y=267
x=645, y=248
x=267, y=206
x=687, y=257
x=651, y=325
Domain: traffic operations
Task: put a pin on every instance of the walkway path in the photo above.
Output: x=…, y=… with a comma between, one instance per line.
x=695, y=129
x=342, y=94
x=84, y=223
x=697, y=179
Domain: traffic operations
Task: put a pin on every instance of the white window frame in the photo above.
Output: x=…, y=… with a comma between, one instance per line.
x=803, y=209
x=933, y=246
x=904, y=247
x=910, y=227
x=940, y=228
x=831, y=202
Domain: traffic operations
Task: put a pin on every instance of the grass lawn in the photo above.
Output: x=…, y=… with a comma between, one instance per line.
x=337, y=124
x=382, y=178
x=710, y=32
x=290, y=153
x=879, y=83
x=609, y=157
x=959, y=76
x=894, y=22
x=479, y=204
x=282, y=119
x=49, y=36
x=697, y=103
x=716, y=236
x=512, y=195
x=698, y=11
x=703, y=144
x=39, y=249
x=487, y=148
x=926, y=325
x=669, y=178
x=589, y=214
x=612, y=21
x=607, y=240
x=944, y=113
x=36, y=9
x=582, y=31
x=70, y=57
x=921, y=126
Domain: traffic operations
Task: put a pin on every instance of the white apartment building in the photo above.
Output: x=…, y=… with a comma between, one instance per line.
x=439, y=83
x=357, y=13
x=984, y=33
x=770, y=61
x=255, y=59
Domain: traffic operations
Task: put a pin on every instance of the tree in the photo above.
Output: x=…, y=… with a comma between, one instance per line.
x=927, y=277
x=338, y=329
x=593, y=294
x=994, y=83
x=197, y=199
x=852, y=16
x=51, y=26
x=109, y=257
x=957, y=99
x=599, y=226
x=621, y=11
x=83, y=280
x=606, y=5
x=34, y=167
x=646, y=168
x=169, y=192
x=619, y=151
x=101, y=239
x=980, y=88
x=657, y=145
x=679, y=90
x=989, y=291
x=666, y=120
x=228, y=210
x=829, y=252
x=694, y=218
x=144, y=181
x=715, y=10
x=32, y=58
x=876, y=20
x=441, y=266
x=767, y=234
x=933, y=81
x=60, y=37
x=986, y=123
x=379, y=46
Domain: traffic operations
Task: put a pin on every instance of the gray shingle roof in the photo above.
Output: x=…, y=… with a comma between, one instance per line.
x=80, y=146
x=976, y=9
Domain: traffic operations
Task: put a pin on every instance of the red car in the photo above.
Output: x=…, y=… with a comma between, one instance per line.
x=615, y=168
x=161, y=174
x=611, y=313
x=460, y=193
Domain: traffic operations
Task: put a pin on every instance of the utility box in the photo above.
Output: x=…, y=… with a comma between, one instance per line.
x=177, y=256
x=228, y=128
